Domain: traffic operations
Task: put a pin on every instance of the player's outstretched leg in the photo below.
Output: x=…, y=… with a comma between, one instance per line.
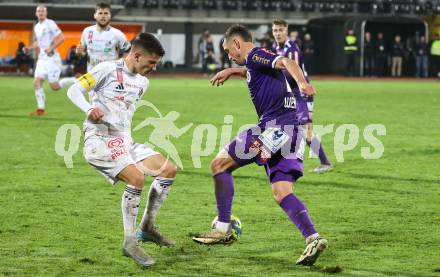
x=224, y=193
x=64, y=82
x=299, y=215
x=130, y=205
x=159, y=189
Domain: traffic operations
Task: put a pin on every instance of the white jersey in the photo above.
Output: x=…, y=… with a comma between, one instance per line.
x=103, y=45
x=116, y=92
x=45, y=33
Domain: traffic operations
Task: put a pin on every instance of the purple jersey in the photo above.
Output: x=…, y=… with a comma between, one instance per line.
x=291, y=50
x=271, y=94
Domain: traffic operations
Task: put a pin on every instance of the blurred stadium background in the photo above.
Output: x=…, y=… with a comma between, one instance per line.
x=180, y=23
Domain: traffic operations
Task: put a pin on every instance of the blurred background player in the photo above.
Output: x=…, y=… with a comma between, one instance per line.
x=290, y=49
x=47, y=36
x=109, y=147
x=101, y=42
x=272, y=98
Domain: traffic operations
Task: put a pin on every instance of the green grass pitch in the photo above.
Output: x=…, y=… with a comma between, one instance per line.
x=381, y=216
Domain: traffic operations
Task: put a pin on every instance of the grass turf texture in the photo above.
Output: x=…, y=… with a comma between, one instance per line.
x=381, y=217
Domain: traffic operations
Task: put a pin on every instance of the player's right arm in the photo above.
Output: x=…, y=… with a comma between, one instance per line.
x=224, y=75
x=34, y=43
x=93, y=79
x=81, y=48
x=296, y=72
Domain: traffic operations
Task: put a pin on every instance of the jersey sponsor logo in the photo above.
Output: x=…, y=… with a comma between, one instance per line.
x=259, y=59
x=87, y=81
x=119, y=97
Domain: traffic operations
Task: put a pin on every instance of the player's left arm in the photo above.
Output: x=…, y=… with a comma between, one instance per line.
x=59, y=38
x=55, y=43
x=295, y=71
x=224, y=75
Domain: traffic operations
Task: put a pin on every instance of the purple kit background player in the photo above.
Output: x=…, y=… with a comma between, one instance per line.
x=287, y=48
x=273, y=99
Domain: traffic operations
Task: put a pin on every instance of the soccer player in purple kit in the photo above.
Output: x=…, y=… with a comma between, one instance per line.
x=274, y=143
x=287, y=48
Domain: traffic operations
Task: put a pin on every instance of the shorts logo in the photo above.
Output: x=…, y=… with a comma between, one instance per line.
x=117, y=142
x=116, y=147
x=87, y=81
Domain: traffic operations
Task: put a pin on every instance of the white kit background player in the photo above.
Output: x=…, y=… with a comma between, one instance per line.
x=101, y=42
x=108, y=146
x=47, y=36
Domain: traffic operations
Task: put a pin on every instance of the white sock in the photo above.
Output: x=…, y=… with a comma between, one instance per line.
x=312, y=238
x=222, y=226
x=41, y=98
x=130, y=206
x=158, y=193
x=66, y=81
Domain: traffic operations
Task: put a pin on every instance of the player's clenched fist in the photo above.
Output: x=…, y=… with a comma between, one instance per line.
x=308, y=89
x=95, y=114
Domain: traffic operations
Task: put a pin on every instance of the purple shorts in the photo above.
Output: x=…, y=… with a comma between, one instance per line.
x=284, y=165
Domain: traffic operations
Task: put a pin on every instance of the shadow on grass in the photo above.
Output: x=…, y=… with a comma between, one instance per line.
x=43, y=118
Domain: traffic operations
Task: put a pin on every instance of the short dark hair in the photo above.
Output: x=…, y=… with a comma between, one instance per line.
x=238, y=30
x=149, y=43
x=279, y=21
x=103, y=5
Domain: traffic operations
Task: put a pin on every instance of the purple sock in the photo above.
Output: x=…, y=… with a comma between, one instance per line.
x=314, y=144
x=224, y=192
x=298, y=214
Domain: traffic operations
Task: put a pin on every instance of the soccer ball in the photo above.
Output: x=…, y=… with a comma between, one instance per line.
x=235, y=224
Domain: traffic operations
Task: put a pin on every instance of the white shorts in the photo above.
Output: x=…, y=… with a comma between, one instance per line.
x=110, y=155
x=48, y=69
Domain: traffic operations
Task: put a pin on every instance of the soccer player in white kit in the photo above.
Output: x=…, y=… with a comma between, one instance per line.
x=47, y=36
x=108, y=146
x=101, y=42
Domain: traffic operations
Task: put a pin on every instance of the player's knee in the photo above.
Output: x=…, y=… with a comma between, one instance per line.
x=54, y=86
x=37, y=83
x=278, y=196
x=169, y=171
x=279, y=192
x=218, y=165
x=137, y=180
